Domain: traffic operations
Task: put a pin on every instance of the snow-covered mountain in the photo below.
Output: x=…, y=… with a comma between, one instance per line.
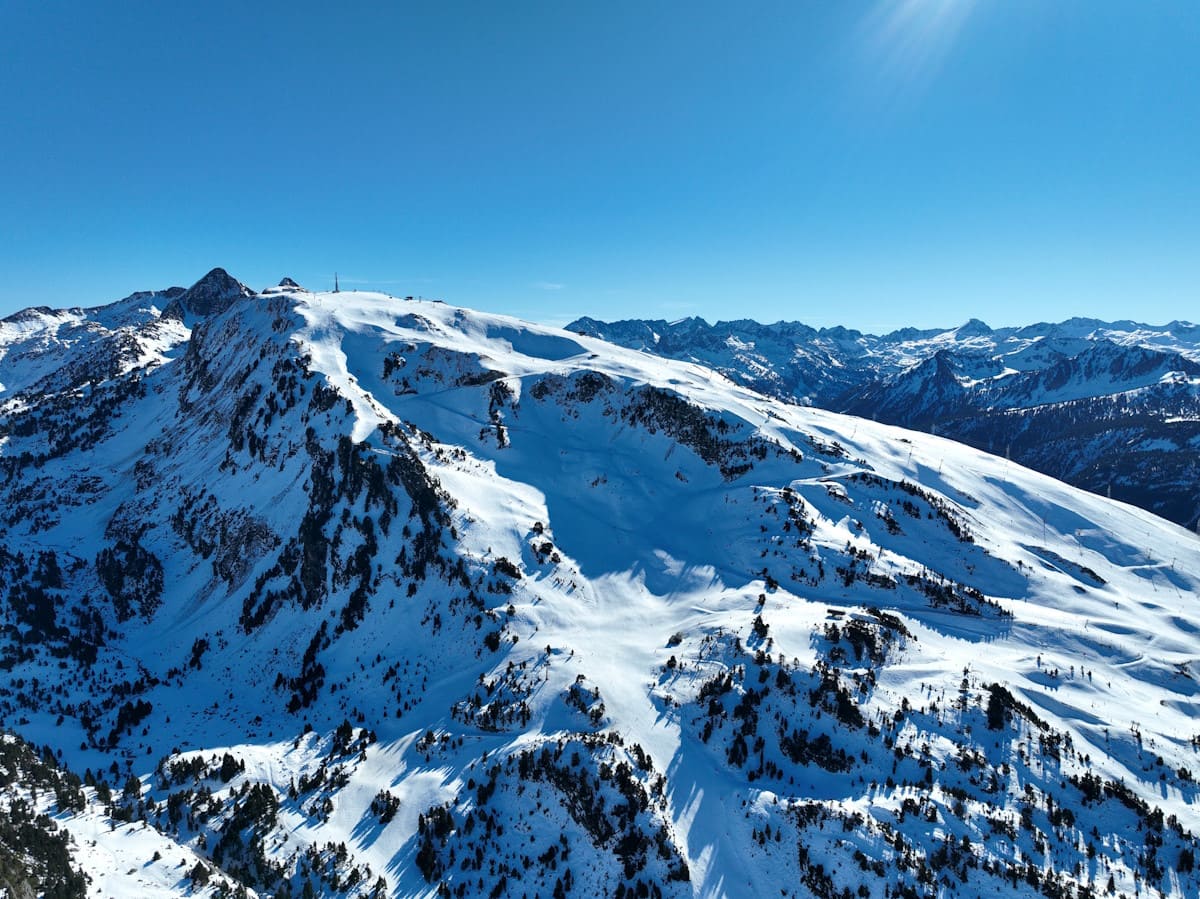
x=1108, y=406
x=340, y=594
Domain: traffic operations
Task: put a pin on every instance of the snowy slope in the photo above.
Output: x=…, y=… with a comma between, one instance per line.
x=1021, y=391
x=60, y=838
x=388, y=597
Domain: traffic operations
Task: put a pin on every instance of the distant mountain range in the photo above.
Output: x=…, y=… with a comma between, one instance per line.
x=1113, y=407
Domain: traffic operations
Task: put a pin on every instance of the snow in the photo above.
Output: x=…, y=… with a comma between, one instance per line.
x=635, y=597
x=651, y=541
x=119, y=859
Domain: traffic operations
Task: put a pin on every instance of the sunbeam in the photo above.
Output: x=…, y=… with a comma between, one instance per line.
x=908, y=40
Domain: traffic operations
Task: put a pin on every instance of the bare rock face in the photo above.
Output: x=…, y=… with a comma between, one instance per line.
x=211, y=295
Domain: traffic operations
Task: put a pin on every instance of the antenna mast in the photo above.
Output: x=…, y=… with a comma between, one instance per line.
x=336, y=289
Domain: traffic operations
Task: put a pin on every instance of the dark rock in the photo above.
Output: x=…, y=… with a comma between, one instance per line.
x=211, y=295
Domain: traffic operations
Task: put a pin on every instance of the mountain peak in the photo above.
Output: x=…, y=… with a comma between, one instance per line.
x=585, y=325
x=212, y=294
x=288, y=282
x=690, y=323
x=973, y=327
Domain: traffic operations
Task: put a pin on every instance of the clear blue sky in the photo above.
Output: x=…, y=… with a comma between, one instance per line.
x=873, y=164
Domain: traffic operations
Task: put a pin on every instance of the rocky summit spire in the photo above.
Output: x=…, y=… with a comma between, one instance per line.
x=974, y=328
x=212, y=294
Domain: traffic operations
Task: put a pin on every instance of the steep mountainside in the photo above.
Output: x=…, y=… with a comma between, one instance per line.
x=1111, y=407
x=339, y=594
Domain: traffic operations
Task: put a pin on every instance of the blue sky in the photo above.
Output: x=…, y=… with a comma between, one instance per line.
x=874, y=164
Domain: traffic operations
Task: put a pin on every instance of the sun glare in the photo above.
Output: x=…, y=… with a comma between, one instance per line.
x=908, y=39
